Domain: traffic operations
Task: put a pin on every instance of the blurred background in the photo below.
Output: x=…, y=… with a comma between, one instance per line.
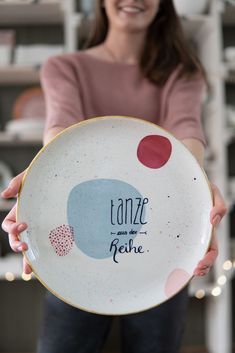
x=30, y=32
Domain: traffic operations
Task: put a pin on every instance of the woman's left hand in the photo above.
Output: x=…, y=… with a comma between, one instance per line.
x=217, y=213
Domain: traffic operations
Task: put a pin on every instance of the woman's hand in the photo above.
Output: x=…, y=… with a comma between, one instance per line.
x=10, y=225
x=217, y=213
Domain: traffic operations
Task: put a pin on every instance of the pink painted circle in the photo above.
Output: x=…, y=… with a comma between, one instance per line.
x=176, y=280
x=154, y=151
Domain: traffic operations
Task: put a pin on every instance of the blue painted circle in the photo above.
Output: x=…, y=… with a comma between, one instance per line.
x=98, y=210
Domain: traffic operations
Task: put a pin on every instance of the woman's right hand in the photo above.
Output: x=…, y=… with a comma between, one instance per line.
x=9, y=224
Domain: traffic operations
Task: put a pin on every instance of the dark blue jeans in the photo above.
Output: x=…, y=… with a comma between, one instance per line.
x=66, y=329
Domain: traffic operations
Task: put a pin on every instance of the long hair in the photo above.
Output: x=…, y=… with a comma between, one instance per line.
x=165, y=46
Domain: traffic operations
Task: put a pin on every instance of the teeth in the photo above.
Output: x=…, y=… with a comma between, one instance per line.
x=131, y=9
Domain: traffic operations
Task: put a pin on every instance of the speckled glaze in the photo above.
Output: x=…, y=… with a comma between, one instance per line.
x=118, y=214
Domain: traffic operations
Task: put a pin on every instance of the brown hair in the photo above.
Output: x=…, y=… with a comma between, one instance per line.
x=165, y=48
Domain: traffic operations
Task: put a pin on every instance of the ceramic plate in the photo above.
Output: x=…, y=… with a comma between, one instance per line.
x=118, y=213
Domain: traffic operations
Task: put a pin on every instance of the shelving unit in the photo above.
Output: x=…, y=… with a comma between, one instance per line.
x=33, y=13
x=218, y=309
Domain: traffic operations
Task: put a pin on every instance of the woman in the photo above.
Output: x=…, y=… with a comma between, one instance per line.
x=138, y=65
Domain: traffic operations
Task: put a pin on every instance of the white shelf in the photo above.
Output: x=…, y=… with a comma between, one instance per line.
x=9, y=139
x=17, y=75
x=25, y=13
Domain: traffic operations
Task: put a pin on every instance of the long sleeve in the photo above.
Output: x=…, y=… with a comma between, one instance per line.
x=61, y=90
x=183, y=108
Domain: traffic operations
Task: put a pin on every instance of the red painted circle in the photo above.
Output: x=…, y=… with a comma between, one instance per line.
x=154, y=151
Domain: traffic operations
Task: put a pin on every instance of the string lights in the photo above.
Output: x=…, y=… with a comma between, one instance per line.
x=216, y=289
x=10, y=277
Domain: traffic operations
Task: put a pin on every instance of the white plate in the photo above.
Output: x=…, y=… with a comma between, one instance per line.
x=118, y=214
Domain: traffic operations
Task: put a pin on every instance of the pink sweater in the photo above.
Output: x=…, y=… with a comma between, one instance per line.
x=78, y=86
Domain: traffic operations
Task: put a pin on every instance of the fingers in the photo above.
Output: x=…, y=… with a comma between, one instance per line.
x=217, y=213
x=16, y=244
x=9, y=224
x=13, y=228
x=219, y=209
x=207, y=262
x=26, y=267
x=9, y=220
x=13, y=187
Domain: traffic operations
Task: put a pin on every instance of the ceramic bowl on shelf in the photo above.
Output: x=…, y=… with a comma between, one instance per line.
x=5, y=55
x=7, y=41
x=229, y=54
x=118, y=214
x=26, y=128
x=189, y=7
x=35, y=54
x=30, y=102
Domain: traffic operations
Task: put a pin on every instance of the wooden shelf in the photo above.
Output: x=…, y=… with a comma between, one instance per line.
x=10, y=139
x=30, y=13
x=18, y=75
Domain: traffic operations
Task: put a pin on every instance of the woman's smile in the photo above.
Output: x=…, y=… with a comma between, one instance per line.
x=131, y=15
x=131, y=9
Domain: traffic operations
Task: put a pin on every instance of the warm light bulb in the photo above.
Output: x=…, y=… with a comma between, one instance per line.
x=227, y=265
x=200, y=294
x=216, y=291
x=26, y=277
x=222, y=280
x=9, y=276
